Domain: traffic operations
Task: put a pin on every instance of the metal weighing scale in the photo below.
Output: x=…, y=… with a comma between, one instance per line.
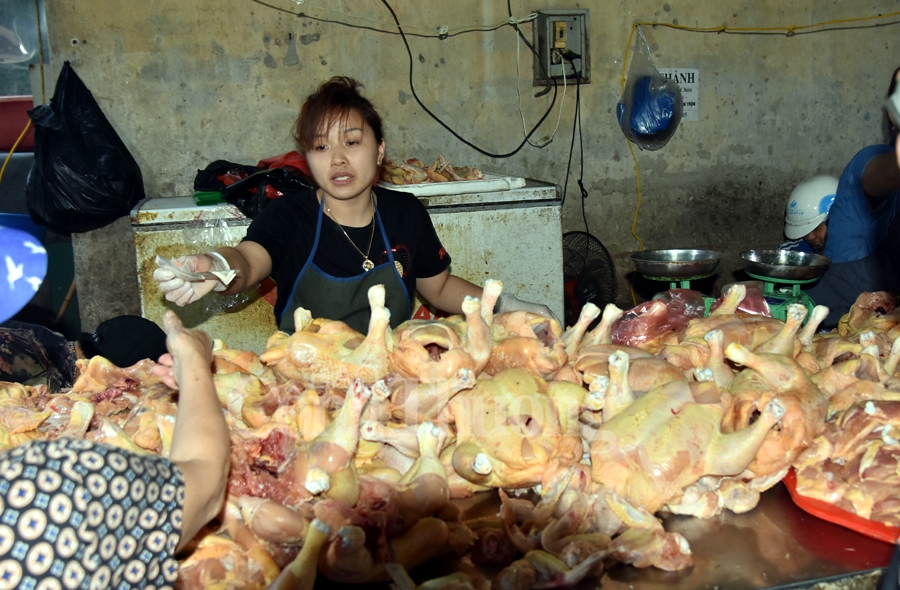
x=782, y=273
x=678, y=267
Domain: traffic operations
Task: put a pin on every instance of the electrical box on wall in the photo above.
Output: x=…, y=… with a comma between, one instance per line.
x=561, y=42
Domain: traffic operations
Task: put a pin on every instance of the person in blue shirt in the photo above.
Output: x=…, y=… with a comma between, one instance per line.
x=806, y=214
x=863, y=229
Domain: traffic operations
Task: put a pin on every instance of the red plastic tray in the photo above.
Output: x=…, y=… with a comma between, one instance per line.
x=839, y=516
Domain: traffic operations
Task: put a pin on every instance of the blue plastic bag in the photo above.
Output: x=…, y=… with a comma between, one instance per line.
x=650, y=108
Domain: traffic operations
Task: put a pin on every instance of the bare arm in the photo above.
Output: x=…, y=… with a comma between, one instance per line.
x=252, y=263
x=201, y=445
x=881, y=177
x=446, y=292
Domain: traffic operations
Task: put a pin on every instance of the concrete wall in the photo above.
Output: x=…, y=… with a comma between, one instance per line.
x=186, y=83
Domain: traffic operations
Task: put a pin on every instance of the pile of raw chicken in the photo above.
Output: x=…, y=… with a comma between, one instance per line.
x=415, y=171
x=347, y=449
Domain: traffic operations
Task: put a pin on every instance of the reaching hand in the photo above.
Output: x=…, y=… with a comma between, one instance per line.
x=181, y=292
x=188, y=349
x=509, y=302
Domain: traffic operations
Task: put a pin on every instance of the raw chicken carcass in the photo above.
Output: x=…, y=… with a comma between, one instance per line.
x=855, y=463
x=875, y=310
x=433, y=350
x=529, y=341
x=668, y=439
x=766, y=378
x=426, y=400
x=326, y=352
x=509, y=428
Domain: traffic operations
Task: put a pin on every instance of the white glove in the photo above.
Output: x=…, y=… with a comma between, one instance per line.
x=180, y=291
x=509, y=302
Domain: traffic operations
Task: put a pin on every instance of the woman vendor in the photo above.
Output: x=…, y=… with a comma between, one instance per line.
x=326, y=247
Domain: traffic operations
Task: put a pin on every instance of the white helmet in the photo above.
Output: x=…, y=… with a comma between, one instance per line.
x=808, y=205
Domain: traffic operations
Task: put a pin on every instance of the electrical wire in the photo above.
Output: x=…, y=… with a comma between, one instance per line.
x=438, y=119
x=439, y=32
x=13, y=149
x=37, y=19
x=562, y=103
x=584, y=193
x=577, y=76
x=443, y=33
x=637, y=210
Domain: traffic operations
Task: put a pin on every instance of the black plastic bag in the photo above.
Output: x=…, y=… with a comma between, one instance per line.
x=650, y=108
x=249, y=188
x=83, y=177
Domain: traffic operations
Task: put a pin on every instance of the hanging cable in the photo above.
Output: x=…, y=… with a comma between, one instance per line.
x=441, y=33
x=37, y=19
x=584, y=193
x=562, y=103
x=436, y=33
x=444, y=125
x=577, y=76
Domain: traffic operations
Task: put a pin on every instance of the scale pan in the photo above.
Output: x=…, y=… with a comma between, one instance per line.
x=784, y=264
x=676, y=263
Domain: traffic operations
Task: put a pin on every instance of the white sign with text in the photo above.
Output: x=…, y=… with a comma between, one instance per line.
x=689, y=81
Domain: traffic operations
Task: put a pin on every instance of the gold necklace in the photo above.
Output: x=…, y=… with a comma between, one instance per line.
x=367, y=264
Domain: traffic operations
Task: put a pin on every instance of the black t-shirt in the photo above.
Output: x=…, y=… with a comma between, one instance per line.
x=286, y=228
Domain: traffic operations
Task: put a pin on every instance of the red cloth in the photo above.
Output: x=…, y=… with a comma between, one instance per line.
x=292, y=159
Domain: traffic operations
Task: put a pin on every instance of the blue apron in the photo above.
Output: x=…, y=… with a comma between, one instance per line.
x=346, y=298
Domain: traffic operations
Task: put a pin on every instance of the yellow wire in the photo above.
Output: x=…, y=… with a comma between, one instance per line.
x=13, y=150
x=788, y=31
x=637, y=210
x=37, y=19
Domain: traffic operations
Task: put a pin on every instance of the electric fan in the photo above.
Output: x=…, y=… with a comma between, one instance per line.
x=589, y=274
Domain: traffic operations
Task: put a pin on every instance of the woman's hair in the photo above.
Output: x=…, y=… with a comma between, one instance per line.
x=332, y=103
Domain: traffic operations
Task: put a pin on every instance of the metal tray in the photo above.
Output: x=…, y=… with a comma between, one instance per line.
x=784, y=264
x=490, y=183
x=676, y=263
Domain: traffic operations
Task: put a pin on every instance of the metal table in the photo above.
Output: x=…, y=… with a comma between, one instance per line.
x=776, y=545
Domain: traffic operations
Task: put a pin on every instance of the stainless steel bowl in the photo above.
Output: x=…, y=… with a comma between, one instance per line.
x=784, y=264
x=676, y=263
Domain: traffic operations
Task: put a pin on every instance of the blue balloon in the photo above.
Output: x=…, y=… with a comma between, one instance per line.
x=24, y=267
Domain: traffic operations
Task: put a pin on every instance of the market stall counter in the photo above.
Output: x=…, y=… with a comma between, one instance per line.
x=775, y=546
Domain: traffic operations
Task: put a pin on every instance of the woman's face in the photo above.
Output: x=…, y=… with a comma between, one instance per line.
x=345, y=158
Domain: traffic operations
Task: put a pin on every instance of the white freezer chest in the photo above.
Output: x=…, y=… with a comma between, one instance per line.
x=510, y=234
